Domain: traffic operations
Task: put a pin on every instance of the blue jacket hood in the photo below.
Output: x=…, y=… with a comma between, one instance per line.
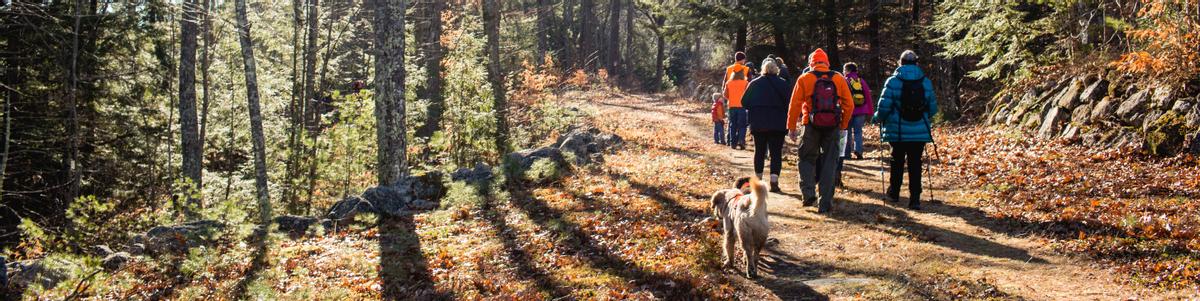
x=909, y=72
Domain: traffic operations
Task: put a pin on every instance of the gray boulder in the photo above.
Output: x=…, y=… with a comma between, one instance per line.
x=294, y=225
x=1069, y=97
x=115, y=261
x=410, y=193
x=1094, y=92
x=1053, y=122
x=136, y=248
x=46, y=272
x=178, y=239
x=346, y=209
x=1133, y=105
x=481, y=173
x=1103, y=109
x=1079, y=116
x=549, y=162
x=388, y=200
x=524, y=159
x=583, y=143
x=101, y=250
x=1162, y=97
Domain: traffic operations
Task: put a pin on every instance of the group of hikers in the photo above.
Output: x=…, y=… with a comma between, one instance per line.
x=825, y=112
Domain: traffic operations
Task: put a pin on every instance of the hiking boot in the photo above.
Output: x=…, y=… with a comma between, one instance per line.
x=914, y=206
x=858, y=155
x=775, y=187
x=809, y=202
x=891, y=199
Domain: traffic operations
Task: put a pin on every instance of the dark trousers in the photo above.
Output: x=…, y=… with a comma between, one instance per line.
x=910, y=154
x=768, y=143
x=818, y=146
x=737, y=126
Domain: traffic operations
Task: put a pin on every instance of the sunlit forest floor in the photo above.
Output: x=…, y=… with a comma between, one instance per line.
x=637, y=226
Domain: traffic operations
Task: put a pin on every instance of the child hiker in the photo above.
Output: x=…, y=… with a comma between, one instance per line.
x=718, y=118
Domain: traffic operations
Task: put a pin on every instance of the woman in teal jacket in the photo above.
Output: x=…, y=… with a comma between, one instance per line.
x=907, y=137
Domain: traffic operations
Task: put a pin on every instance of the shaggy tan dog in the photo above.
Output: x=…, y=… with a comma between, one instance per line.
x=743, y=214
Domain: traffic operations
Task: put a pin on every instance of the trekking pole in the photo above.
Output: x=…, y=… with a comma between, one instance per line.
x=882, y=164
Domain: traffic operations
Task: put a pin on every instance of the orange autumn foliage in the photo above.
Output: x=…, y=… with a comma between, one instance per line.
x=1167, y=42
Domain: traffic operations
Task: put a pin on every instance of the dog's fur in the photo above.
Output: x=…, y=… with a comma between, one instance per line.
x=744, y=221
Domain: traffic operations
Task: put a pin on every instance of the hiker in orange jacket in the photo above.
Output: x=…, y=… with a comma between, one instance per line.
x=737, y=77
x=822, y=105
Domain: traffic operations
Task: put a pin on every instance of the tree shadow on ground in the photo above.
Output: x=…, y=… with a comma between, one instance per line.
x=258, y=262
x=789, y=276
x=519, y=257
x=402, y=267
x=575, y=242
x=897, y=222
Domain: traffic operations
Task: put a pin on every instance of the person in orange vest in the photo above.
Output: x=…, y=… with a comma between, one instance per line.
x=737, y=77
x=718, y=118
x=822, y=104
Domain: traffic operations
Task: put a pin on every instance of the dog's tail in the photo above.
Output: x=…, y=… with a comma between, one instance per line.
x=759, y=201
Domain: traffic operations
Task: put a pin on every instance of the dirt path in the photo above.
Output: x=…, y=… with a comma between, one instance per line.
x=870, y=249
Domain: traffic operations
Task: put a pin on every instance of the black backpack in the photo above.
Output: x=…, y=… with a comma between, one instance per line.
x=912, y=100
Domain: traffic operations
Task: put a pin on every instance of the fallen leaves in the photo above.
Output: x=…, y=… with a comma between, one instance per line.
x=1112, y=203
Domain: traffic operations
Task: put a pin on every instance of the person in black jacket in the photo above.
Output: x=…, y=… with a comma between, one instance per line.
x=767, y=99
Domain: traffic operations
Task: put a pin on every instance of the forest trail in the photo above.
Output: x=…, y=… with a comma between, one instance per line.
x=871, y=249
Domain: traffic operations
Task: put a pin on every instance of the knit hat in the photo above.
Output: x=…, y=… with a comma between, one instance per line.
x=908, y=57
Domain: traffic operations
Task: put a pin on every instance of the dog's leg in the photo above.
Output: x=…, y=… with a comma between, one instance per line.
x=748, y=249
x=729, y=237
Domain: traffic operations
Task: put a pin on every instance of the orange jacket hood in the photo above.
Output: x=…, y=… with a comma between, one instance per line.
x=818, y=59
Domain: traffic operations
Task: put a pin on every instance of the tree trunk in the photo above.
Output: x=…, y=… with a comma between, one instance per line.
x=8, y=100
x=71, y=166
x=543, y=30
x=660, y=53
x=739, y=37
x=491, y=19
x=295, y=107
x=587, y=36
x=256, y=129
x=831, y=34
x=627, y=59
x=873, y=71
x=431, y=37
x=568, y=31
x=389, y=81
x=916, y=21
x=781, y=46
x=205, y=64
x=189, y=131
x=613, y=47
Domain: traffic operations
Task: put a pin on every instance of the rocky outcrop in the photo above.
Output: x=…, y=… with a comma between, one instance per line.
x=587, y=144
x=115, y=261
x=480, y=174
x=178, y=239
x=47, y=272
x=294, y=225
x=581, y=146
x=1103, y=110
